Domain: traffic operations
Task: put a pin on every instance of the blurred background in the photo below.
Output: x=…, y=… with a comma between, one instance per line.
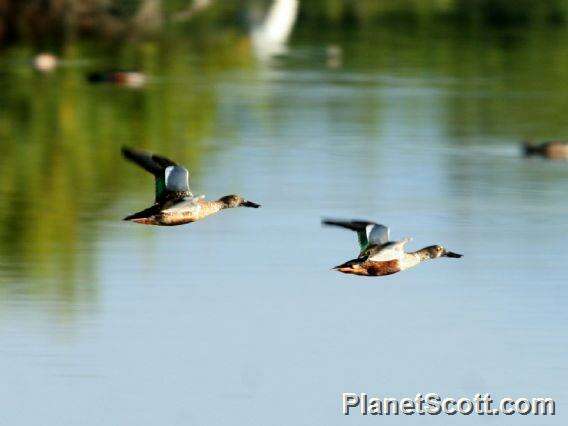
x=406, y=112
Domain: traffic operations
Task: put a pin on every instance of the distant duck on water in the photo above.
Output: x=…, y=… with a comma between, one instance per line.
x=378, y=256
x=553, y=150
x=174, y=203
x=133, y=79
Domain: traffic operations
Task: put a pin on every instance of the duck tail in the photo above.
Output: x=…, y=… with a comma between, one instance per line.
x=348, y=264
x=131, y=217
x=143, y=216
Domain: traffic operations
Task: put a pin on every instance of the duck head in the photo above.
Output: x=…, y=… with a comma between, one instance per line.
x=232, y=201
x=434, y=252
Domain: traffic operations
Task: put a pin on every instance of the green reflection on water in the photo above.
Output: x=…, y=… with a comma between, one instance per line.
x=59, y=158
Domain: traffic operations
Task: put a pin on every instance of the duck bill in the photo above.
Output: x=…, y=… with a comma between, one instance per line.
x=452, y=254
x=250, y=204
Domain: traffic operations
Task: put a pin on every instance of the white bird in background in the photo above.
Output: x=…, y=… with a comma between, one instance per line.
x=269, y=37
x=45, y=62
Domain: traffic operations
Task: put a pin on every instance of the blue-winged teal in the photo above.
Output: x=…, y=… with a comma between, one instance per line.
x=553, y=150
x=378, y=256
x=174, y=203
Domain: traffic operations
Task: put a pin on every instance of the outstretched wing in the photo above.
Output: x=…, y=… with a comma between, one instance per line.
x=389, y=251
x=172, y=180
x=368, y=233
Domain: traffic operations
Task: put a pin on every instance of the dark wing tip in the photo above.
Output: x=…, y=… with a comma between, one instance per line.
x=163, y=161
x=132, y=153
x=145, y=159
x=352, y=224
x=125, y=150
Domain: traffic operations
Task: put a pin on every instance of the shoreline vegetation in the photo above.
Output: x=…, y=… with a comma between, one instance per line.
x=47, y=21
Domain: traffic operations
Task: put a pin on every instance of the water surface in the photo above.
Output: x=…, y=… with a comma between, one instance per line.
x=238, y=319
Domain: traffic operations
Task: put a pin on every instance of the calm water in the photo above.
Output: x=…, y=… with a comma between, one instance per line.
x=238, y=319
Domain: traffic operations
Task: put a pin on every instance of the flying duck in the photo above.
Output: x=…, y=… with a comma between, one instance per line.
x=378, y=256
x=174, y=203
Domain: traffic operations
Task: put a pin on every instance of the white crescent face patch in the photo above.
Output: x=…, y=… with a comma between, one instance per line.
x=177, y=178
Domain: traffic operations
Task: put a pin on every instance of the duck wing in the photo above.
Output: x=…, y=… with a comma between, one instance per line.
x=172, y=180
x=368, y=233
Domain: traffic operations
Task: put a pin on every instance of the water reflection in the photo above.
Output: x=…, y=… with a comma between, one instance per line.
x=59, y=160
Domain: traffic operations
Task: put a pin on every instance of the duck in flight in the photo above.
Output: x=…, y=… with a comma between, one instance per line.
x=174, y=203
x=378, y=256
